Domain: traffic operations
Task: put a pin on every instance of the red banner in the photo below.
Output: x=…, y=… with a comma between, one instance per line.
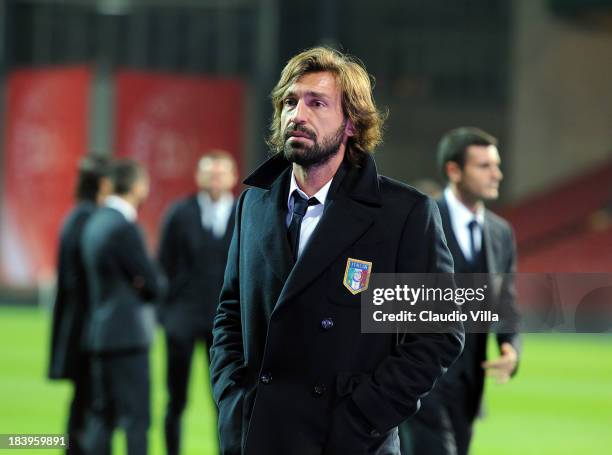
x=166, y=122
x=44, y=137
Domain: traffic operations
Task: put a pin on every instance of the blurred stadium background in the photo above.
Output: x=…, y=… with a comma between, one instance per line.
x=162, y=81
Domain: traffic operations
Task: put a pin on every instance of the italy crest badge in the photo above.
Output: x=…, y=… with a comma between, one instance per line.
x=357, y=275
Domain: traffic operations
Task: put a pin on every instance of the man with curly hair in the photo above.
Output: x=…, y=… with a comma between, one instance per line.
x=291, y=371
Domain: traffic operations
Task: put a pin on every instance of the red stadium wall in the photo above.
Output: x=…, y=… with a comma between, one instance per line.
x=45, y=134
x=568, y=228
x=166, y=122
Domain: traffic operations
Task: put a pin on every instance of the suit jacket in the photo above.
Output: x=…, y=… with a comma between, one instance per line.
x=291, y=370
x=466, y=376
x=122, y=281
x=72, y=299
x=193, y=260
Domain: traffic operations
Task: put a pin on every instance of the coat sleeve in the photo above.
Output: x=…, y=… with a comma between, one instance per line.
x=392, y=393
x=171, y=252
x=227, y=352
x=509, y=332
x=169, y=243
x=135, y=261
x=57, y=361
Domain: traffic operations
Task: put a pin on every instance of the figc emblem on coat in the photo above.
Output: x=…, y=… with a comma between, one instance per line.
x=357, y=275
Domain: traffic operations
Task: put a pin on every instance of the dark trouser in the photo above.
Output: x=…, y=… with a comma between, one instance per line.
x=79, y=407
x=179, y=354
x=441, y=427
x=121, y=398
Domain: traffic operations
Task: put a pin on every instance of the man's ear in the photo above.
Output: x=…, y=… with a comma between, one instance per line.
x=349, y=129
x=453, y=172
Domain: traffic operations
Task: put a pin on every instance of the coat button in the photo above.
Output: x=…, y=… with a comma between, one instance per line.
x=375, y=433
x=265, y=378
x=327, y=323
x=319, y=389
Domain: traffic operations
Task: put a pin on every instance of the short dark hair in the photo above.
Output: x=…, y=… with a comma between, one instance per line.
x=454, y=144
x=124, y=174
x=92, y=169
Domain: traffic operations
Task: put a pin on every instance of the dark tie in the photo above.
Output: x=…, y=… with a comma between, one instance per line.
x=300, y=205
x=473, y=225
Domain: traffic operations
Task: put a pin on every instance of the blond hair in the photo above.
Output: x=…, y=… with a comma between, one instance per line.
x=217, y=154
x=357, y=100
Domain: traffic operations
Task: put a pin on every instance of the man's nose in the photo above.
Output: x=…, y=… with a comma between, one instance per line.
x=499, y=175
x=300, y=113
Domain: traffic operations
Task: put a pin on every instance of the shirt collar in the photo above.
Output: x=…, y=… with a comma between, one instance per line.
x=321, y=195
x=224, y=200
x=460, y=214
x=122, y=206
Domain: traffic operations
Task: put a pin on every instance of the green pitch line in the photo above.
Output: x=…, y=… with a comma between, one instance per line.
x=559, y=403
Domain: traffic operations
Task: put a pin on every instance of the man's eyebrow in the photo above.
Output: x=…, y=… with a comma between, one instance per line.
x=317, y=94
x=312, y=93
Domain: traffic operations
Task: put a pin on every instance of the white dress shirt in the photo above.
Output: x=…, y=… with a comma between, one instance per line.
x=460, y=217
x=216, y=214
x=313, y=212
x=122, y=206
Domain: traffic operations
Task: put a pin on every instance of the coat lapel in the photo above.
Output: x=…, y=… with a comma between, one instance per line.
x=451, y=240
x=274, y=245
x=349, y=212
x=343, y=223
x=195, y=218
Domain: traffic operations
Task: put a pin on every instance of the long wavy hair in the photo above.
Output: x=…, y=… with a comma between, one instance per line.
x=357, y=100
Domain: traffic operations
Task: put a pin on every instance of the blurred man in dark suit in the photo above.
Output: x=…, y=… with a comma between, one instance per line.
x=480, y=242
x=69, y=358
x=195, y=239
x=123, y=282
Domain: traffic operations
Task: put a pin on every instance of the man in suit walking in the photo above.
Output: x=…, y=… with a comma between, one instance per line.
x=480, y=242
x=69, y=359
x=291, y=371
x=193, y=251
x=123, y=282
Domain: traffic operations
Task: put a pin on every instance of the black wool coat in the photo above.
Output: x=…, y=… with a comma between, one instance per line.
x=291, y=371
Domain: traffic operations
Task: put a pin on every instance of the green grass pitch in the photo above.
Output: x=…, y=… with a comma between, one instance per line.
x=559, y=403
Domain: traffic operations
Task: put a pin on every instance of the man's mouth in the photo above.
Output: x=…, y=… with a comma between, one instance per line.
x=299, y=134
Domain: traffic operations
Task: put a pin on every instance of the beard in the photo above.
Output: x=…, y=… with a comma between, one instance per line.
x=317, y=154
